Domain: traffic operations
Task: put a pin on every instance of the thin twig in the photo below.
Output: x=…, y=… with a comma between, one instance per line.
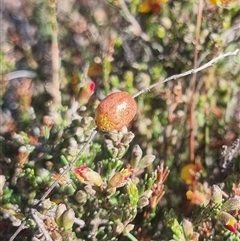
x=191, y=71
x=131, y=19
x=193, y=85
x=40, y=224
x=20, y=228
x=55, y=90
x=198, y=29
x=21, y=74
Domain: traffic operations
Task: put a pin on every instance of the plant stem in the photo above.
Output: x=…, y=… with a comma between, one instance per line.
x=193, y=85
x=131, y=237
x=55, y=90
x=189, y=72
x=40, y=224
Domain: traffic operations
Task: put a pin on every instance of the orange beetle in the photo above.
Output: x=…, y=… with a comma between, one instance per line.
x=115, y=111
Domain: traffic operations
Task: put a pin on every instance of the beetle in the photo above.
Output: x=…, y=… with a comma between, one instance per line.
x=115, y=111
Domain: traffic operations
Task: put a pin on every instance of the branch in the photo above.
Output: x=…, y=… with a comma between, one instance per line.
x=191, y=71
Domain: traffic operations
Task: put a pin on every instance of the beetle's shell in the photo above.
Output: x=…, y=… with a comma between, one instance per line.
x=115, y=111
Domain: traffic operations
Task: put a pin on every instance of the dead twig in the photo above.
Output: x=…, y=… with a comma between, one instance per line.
x=55, y=88
x=39, y=222
x=193, y=85
x=189, y=72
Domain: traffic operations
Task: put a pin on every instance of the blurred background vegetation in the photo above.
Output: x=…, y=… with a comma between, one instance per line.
x=59, y=59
